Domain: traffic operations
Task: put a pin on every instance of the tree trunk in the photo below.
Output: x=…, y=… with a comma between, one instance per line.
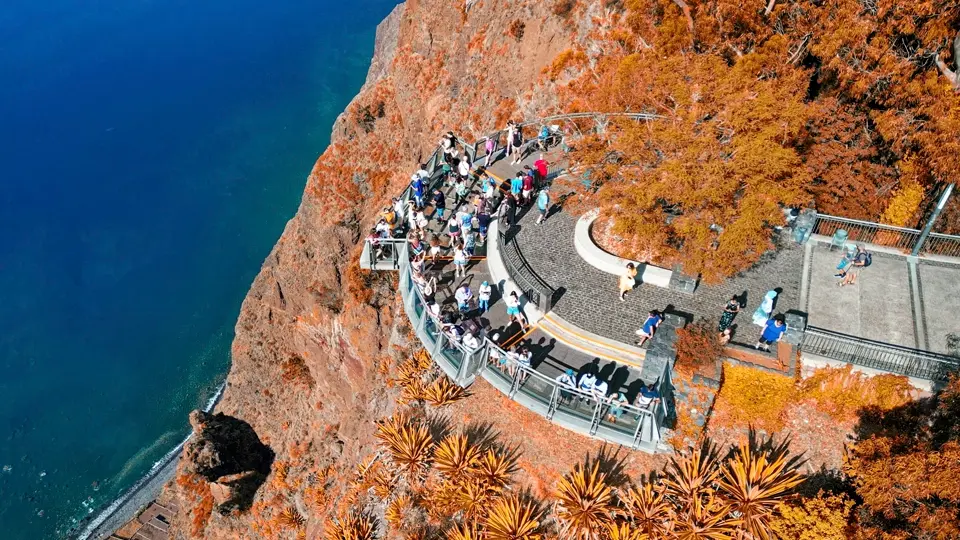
x=685, y=8
x=770, y=6
x=951, y=74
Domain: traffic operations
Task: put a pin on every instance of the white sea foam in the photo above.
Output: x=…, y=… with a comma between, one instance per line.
x=116, y=505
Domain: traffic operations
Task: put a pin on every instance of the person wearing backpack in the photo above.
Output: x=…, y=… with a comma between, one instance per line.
x=860, y=261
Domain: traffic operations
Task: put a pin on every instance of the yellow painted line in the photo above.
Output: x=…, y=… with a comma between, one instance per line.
x=595, y=342
x=513, y=341
x=594, y=353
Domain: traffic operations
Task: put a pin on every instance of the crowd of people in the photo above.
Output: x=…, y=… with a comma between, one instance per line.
x=447, y=217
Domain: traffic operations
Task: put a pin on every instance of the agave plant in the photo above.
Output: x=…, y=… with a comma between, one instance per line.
x=474, y=498
x=351, y=527
x=409, y=445
x=464, y=531
x=648, y=510
x=754, y=482
x=624, y=531
x=494, y=469
x=396, y=511
x=584, y=503
x=291, y=518
x=413, y=390
x=454, y=456
x=694, y=475
x=443, y=392
x=421, y=359
x=705, y=518
x=512, y=519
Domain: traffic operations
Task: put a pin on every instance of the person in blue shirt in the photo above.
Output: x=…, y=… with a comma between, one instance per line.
x=516, y=185
x=543, y=204
x=417, y=185
x=542, y=139
x=649, y=327
x=772, y=332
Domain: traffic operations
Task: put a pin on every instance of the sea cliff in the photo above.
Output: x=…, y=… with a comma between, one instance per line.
x=315, y=333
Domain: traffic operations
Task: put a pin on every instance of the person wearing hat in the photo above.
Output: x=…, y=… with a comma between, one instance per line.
x=483, y=297
x=567, y=379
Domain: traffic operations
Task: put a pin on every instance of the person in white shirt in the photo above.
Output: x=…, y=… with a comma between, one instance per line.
x=463, y=296
x=463, y=168
x=513, y=309
x=600, y=389
x=483, y=296
x=567, y=379
x=586, y=384
x=470, y=342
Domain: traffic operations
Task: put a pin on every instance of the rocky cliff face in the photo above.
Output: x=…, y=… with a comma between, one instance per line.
x=313, y=340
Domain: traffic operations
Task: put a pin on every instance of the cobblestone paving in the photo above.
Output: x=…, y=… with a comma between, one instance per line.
x=590, y=296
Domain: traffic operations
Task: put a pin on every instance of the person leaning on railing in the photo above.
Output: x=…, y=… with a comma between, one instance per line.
x=567, y=379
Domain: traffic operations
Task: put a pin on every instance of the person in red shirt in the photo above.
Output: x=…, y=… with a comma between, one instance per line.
x=542, y=167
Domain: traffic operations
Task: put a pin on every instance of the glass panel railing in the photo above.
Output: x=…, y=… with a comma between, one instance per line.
x=536, y=386
x=577, y=404
x=624, y=419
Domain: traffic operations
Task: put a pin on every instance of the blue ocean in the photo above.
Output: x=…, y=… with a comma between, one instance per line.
x=151, y=152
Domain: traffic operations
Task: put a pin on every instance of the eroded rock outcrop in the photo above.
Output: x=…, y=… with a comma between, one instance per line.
x=227, y=453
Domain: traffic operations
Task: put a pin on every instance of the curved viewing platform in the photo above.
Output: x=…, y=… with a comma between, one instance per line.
x=568, y=294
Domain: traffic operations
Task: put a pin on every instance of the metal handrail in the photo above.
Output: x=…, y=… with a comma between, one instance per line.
x=888, y=235
x=531, y=284
x=878, y=355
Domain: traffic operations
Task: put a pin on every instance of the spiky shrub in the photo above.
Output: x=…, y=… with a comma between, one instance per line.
x=412, y=391
x=454, y=456
x=291, y=518
x=690, y=484
x=408, y=444
x=464, y=531
x=512, y=519
x=584, y=503
x=474, y=498
x=624, y=531
x=754, y=482
x=647, y=508
x=443, y=392
x=494, y=469
x=351, y=527
x=396, y=511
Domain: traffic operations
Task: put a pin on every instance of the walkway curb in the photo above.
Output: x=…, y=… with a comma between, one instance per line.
x=596, y=257
x=498, y=271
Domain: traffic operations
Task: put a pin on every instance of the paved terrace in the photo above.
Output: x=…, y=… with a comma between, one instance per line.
x=888, y=303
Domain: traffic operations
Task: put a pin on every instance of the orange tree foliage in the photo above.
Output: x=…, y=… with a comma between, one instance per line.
x=698, y=349
x=907, y=472
x=802, y=102
x=824, y=517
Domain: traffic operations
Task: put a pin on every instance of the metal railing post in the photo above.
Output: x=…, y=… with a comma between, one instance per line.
x=933, y=219
x=554, y=402
x=595, y=421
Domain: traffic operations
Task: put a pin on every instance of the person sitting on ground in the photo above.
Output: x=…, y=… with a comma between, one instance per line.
x=543, y=204
x=860, y=261
x=648, y=395
x=586, y=385
x=543, y=137
x=649, y=327
x=567, y=379
x=627, y=281
x=772, y=332
x=483, y=296
x=616, y=407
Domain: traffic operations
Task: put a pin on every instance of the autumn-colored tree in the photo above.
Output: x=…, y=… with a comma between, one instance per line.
x=760, y=107
x=908, y=470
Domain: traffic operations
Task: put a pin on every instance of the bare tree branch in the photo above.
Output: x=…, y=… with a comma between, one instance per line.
x=950, y=74
x=769, y=10
x=685, y=8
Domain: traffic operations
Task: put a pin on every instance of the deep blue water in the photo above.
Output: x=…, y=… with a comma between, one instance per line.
x=151, y=152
